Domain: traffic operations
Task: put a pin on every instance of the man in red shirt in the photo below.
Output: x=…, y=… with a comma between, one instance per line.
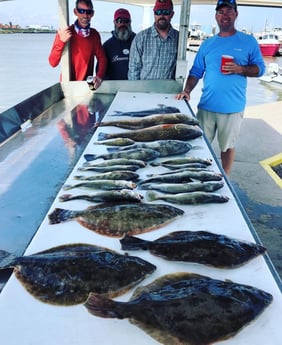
x=85, y=44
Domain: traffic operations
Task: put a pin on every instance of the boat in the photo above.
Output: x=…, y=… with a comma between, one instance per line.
x=35, y=164
x=269, y=44
x=273, y=74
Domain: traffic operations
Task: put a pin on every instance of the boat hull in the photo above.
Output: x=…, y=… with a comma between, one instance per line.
x=269, y=49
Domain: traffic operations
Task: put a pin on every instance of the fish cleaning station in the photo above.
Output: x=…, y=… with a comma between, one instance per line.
x=53, y=148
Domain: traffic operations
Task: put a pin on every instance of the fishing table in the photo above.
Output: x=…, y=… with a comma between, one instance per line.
x=27, y=321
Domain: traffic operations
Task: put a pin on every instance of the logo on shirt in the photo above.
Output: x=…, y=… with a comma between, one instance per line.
x=125, y=51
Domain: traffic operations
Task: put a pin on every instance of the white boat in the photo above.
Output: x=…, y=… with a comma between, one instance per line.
x=273, y=74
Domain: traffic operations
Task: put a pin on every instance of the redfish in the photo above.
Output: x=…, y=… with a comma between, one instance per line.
x=177, y=131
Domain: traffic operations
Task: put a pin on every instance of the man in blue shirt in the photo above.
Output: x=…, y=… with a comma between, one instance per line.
x=153, y=53
x=118, y=46
x=223, y=99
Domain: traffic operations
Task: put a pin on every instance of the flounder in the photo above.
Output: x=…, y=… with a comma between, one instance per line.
x=115, y=220
x=186, y=308
x=201, y=247
x=66, y=274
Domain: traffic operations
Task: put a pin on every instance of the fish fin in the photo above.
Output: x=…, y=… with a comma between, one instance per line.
x=133, y=243
x=59, y=215
x=6, y=259
x=103, y=136
x=90, y=157
x=101, y=306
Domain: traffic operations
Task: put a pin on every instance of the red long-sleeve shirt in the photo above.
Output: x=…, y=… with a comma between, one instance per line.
x=82, y=53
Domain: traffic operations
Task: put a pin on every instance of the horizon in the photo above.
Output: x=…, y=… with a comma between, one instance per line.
x=18, y=13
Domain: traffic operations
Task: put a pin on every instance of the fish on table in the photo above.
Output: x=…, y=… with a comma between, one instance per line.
x=111, y=175
x=189, y=198
x=117, y=219
x=186, y=308
x=151, y=120
x=182, y=176
x=161, y=110
x=177, y=131
x=164, y=147
x=202, y=247
x=129, y=167
x=139, y=154
x=105, y=196
x=174, y=188
x=66, y=274
x=102, y=184
x=116, y=142
x=117, y=161
x=183, y=161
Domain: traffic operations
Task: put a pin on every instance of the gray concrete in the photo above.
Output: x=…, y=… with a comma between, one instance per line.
x=259, y=193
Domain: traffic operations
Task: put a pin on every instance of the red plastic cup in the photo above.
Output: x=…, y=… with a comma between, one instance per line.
x=224, y=59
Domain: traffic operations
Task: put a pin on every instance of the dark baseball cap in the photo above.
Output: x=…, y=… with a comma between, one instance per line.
x=230, y=3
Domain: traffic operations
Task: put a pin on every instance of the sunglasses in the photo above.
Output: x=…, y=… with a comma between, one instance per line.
x=83, y=11
x=163, y=12
x=122, y=20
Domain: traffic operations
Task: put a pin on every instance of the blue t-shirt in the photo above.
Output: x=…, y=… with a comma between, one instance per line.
x=225, y=93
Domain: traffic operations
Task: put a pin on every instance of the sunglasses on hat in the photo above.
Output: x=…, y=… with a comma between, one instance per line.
x=162, y=12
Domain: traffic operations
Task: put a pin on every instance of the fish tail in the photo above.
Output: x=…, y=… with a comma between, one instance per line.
x=65, y=197
x=133, y=243
x=103, y=136
x=67, y=187
x=151, y=195
x=101, y=306
x=90, y=157
x=113, y=149
x=59, y=215
x=6, y=259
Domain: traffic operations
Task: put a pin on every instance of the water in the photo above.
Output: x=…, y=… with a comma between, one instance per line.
x=24, y=71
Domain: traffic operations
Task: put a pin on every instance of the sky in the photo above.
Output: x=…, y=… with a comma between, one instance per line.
x=35, y=12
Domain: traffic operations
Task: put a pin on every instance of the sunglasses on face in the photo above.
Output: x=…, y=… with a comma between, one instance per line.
x=83, y=11
x=122, y=20
x=163, y=12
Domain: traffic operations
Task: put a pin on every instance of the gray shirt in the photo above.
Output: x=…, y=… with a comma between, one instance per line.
x=151, y=56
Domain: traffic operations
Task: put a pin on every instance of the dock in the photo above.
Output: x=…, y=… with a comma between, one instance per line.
x=260, y=194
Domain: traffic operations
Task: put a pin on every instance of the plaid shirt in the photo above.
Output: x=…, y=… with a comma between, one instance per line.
x=152, y=57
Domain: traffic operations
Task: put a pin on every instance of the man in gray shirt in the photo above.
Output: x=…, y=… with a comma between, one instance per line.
x=153, y=52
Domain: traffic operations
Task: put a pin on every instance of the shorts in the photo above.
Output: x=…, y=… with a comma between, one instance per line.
x=227, y=127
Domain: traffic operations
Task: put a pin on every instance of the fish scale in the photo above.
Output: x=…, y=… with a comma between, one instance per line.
x=65, y=275
x=186, y=308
